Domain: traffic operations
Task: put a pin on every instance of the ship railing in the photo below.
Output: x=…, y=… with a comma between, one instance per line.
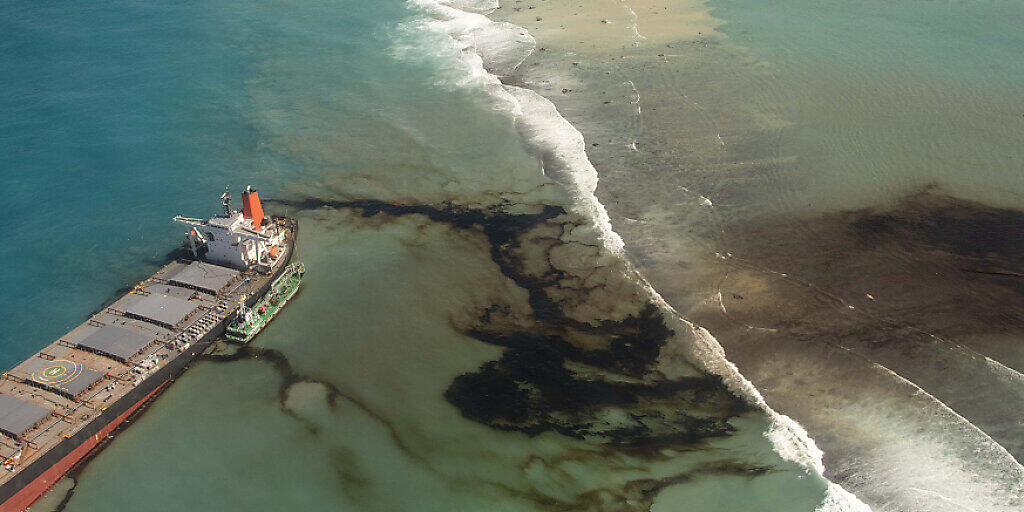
x=113, y=311
x=74, y=416
x=66, y=343
x=237, y=285
x=72, y=412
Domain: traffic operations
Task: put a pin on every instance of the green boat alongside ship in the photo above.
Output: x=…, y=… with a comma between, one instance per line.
x=250, y=321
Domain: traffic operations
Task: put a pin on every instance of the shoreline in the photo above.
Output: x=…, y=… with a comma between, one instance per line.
x=628, y=127
x=790, y=440
x=464, y=338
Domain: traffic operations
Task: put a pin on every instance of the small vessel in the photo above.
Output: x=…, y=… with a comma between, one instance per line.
x=250, y=321
x=65, y=402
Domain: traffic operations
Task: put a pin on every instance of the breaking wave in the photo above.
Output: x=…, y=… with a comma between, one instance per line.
x=490, y=50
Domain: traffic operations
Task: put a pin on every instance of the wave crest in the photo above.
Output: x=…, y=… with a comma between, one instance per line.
x=491, y=49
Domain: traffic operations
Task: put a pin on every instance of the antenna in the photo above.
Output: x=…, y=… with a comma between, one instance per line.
x=226, y=196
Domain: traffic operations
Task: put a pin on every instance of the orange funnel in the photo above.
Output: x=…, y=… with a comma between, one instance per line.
x=251, y=207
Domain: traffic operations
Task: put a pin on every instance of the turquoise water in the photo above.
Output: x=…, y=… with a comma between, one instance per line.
x=465, y=342
x=112, y=116
x=472, y=346
x=117, y=116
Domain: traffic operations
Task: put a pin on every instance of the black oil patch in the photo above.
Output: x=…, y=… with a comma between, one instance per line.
x=67, y=496
x=344, y=462
x=528, y=390
x=928, y=287
x=932, y=261
x=289, y=377
x=638, y=494
x=929, y=219
x=611, y=396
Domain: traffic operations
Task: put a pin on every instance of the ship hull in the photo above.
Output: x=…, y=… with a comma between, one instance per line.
x=39, y=477
x=35, y=489
x=235, y=336
x=32, y=482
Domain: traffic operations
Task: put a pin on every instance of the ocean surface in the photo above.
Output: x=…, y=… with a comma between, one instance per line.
x=498, y=310
x=834, y=191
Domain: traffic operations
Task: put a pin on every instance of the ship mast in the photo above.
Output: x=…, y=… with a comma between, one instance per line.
x=238, y=239
x=226, y=196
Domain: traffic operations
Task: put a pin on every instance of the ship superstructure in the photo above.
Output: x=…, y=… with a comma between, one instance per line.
x=238, y=239
x=59, y=405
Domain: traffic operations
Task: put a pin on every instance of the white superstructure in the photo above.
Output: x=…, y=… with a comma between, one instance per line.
x=239, y=239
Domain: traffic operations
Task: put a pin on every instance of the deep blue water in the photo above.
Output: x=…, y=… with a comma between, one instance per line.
x=116, y=116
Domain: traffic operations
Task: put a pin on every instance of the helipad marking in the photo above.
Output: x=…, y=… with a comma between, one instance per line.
x=60, y=372
x=54, y=371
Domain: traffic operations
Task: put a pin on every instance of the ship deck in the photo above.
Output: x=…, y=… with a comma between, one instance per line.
x=68, y=384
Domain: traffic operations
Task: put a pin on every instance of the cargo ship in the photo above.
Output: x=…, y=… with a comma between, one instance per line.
x=60, y=405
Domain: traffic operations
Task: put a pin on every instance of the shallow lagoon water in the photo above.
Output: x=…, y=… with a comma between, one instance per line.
x=464, y=340
x=363, y=423
x=445, y=270
x=823, y=187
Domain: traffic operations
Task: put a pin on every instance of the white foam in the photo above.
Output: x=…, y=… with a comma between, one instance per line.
x=475, y=6
x=562, y=150
x=472, y=36
x=564, y=157
x=501, y=46
x=838, y=499
x=789, y=439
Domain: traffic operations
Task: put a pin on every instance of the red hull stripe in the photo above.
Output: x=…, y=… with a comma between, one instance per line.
x=31, y=492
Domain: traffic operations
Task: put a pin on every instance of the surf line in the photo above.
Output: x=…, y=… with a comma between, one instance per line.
x=983, y=437
x=577, y=174
x=994, y=365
